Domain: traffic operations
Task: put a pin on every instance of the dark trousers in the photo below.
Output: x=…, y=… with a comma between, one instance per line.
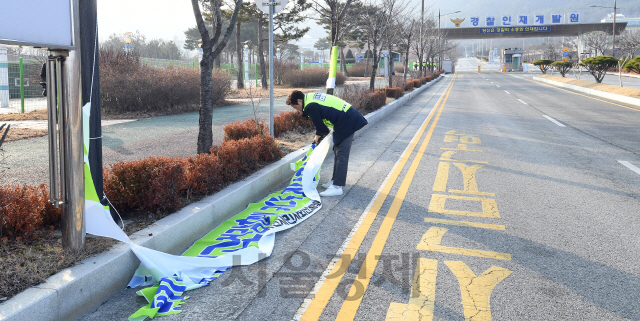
x=341, y=161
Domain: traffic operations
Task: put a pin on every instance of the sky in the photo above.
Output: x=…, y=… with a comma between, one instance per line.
x=166, y=19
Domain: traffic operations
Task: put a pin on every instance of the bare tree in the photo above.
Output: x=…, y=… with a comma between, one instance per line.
x=425, y=40
x=629, y=43
x=597, y=42
x=331, y=12
x=212, y=46
x=407, y=32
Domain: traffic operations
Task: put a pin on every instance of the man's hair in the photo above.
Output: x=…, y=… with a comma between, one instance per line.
x=294, y=96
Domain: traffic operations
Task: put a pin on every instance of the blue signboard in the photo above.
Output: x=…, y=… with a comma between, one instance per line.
x=358, y=58
x=565, y=54
x=515, y=29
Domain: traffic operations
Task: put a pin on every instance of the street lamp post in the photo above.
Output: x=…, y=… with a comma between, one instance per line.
x=615, y=8
x=439, y=37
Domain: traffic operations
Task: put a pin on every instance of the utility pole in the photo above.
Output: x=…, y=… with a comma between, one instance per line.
x=613, y=51
x=615, y=13
x=421, y=39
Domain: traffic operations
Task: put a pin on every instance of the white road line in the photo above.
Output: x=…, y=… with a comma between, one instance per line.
x=307, y=301
x=520, y=100
x=630, y=166
x=554, y=121
x=507, y=92
x=497, y=85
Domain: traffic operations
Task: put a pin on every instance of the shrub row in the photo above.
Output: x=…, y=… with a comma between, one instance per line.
x=283, y=122
x=160, y=184
x=24, y=209
x=310, y=77
x=128, y=86
x=394, y=92
x=150, y=185
x=361, y=98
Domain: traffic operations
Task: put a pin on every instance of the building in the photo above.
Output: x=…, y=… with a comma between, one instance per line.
x=633, y=24
x=512, y=59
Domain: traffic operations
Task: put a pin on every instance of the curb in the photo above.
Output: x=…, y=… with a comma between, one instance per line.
x=623, y=75
x=593, y=92
x=80, y=289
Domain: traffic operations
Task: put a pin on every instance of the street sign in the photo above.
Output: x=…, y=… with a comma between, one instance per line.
x=565, y=54
x=565, y=49
x=263, y=5
x=49, y=26
x=564, y=58
x=358, y=58
x=616, y=49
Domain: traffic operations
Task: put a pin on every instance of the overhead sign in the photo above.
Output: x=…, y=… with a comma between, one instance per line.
x=515, y=29
x=519, y=20
x=36, y=23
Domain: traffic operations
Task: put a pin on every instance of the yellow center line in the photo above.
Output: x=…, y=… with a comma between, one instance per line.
x=328, y=287
x=569, y=91
x=350, y=307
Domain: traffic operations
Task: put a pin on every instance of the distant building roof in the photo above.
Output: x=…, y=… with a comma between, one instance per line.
x=631, y=22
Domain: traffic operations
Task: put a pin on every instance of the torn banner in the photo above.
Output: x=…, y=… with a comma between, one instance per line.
x=248, y=235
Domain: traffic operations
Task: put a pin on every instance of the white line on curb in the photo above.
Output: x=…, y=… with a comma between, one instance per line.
x=507, y=92
x=522, y=101
x=554, y=121
x=630, y=166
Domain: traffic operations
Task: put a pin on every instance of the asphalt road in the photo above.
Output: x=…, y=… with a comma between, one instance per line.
x=515, y=201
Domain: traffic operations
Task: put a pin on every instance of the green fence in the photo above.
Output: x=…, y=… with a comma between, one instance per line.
x=25, y=92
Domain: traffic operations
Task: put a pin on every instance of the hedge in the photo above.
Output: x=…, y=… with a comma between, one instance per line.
x=394, y=92
x=310, y=77
x=283, y=122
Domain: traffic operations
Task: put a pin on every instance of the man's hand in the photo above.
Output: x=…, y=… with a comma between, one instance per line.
x=317, y=139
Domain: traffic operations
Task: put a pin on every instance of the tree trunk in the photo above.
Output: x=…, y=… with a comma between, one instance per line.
x=217, y=60
x=343, y=63
x=390, y=67
x=372, y=80
x=366, y=67
x=240, y=60
x=205, y=132
x=406, y=60
x=263, y=67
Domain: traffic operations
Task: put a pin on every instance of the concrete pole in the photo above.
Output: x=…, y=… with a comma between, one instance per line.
x=4, y=77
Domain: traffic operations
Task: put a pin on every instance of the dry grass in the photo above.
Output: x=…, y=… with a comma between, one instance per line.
x=292, y=141
x=25, y=263
x=24, y=133
x=278, y=91
x=34, y=115
x=625, y=91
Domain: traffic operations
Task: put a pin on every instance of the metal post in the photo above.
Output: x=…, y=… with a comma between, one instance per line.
x=271, y=8
x=71, y=142
x=52, y=94
x=4, y=77
x=21, y=85
x=613, y=51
